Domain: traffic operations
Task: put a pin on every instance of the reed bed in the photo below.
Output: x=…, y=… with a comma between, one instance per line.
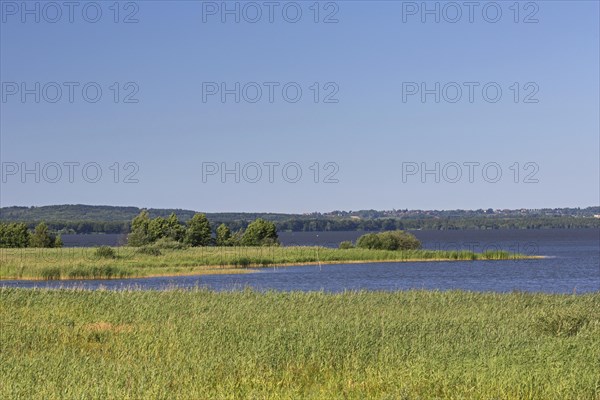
x=123, y=262
x=77, y=344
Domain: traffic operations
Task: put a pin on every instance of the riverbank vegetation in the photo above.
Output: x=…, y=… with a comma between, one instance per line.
x=123, y=262
x=77, y=344
x=390, y=240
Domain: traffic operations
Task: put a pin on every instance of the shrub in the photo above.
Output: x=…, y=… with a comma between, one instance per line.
x=346, y=244
x=391, y=240
x=167, y=243
x=105, y=252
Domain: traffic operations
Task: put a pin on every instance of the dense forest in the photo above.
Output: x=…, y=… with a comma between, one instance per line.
x=107, y=219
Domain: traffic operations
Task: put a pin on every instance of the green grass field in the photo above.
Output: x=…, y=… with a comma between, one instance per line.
x=82, y=263
x=77, y=344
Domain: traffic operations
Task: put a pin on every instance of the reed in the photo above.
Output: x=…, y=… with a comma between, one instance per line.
x=119, y=262
x=78, y=344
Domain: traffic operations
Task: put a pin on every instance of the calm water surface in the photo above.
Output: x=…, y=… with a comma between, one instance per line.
x=573, y=265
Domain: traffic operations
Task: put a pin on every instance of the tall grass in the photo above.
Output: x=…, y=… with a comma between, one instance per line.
x=106, y=262
x=72, y=344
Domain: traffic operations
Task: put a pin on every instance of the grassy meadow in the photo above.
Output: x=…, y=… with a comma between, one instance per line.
x=86, y=263
x=77, y=344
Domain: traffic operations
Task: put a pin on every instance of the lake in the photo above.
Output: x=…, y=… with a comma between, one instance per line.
x=572, y=266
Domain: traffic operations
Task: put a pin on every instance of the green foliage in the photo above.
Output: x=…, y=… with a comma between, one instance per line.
x=140, y=230
x=391, y=240
x=14, y=235
x=89, y=219
x=157, y=228
x=236, y=238
x=224, y=236
x=105, y=252
x=58, y=243
x=166, y=228
x=173, y=229
x=198, y=231
x=41, y=236
x=167, y=243
x=346, y=244
x=260, y=233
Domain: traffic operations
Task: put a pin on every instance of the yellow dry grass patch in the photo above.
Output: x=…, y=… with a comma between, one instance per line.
x=103, y=326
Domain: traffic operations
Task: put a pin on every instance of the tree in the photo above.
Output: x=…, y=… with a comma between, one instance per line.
x=174, y=230
x=198, y=231
x=14, y=235
x=140, y=235
x=236, y=238
x=58, y=243
x=157, y=228
x=260, y=233
x=224, y=235
x=41, y=236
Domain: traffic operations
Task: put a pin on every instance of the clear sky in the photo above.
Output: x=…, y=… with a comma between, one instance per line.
x=365, y=126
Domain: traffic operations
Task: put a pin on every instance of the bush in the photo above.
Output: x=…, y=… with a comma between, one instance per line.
x=105, y=252
x=346, y=244
x=391, y=240
x=168, y=244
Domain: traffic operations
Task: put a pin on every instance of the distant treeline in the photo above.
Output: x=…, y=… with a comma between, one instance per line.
x=116, y=216
x=110, y=219
x=348, y=224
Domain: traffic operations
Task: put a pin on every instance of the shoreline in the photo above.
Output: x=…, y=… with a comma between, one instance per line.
x=253, y=268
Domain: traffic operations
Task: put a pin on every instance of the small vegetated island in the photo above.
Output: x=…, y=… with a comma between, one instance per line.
x=164, y=246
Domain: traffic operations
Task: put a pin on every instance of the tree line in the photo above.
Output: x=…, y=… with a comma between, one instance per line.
x=197, y=232
x=348, y=224
x=166, y=232
x=18, y=235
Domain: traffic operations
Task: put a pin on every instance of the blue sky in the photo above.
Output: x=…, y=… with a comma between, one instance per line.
x=366, y=133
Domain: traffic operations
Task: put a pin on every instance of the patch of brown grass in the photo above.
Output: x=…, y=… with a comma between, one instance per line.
x=103, y=326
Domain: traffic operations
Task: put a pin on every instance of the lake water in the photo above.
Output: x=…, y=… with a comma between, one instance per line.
x=572, y=265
